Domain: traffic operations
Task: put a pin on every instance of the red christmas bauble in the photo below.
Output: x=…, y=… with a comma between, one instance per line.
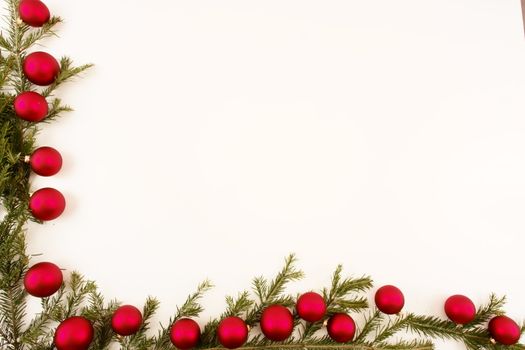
x=341, y=328
x=126, y=320
x=311, y=307
x=43, y=279
x=45, y=161
x=232, y=332
x=504, y=330
x=185, y=334
x=47, y=204
x=34, y=13
x=30, y=105
x=460, y=309
x=74, y=333
x=389, y=300
x=41, y=68
x=276, y=322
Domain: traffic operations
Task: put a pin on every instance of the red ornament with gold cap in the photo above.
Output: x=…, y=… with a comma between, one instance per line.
x=185, y=334
x=33, y=13
x=126, y=320
x=47, y=204
x=43, y=279
x=276, y=322
x=45, y=161
x=341, y=327
x=30, y=106
x=311, y=307
x=232, y=332
x=74, y=333
x=41, y=68
x=389, y=299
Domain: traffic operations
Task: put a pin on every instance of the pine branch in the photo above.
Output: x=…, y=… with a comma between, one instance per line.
x=272, y=292
x=371, y=322
x=46, y=31
x=100, y=314
x=39, y=329
x=340, y=297
x=487, y=311
x=436, y=328
x=67, y=72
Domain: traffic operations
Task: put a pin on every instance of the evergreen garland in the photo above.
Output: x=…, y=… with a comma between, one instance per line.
x=78, y=296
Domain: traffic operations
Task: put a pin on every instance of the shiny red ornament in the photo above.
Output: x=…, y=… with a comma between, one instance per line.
x=126, y=320
x=30, y=105
x=460, y=309
x=34, y=13
x=341, y=328
x=45, y=161
x=389, y=300
x=43, y=279
x=47, y=204
x=232, y=332
x=504, y=330
x=311, y=307
x=276, y=322
x=185, y=334
x=41, y=68
x=74, y=333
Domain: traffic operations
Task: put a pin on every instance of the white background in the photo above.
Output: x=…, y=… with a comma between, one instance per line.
x=215, y=137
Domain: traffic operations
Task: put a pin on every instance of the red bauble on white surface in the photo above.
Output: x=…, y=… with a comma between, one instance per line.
x=47, y=204
x=460, y=309
x=126, y=320
x=185, y=334
x=276, y=323
x=389, y=299
x=33, y=12
x=74, y=333
x=30, y=105
x=41, y=68
x=232, y=332
x=341, y=328
x=504, y=330
x=43, y=279
x=311, y=307
x=45, y=161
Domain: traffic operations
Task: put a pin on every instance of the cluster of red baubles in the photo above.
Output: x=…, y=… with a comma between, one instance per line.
x=41, y=69
x=276, y=322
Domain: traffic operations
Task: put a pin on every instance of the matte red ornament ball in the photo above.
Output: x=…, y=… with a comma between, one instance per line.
x=126, y=320
x=47, y=204
x=232, y=332
x=504, y=330
x=341, y=328
x=311, y=307
x=460, y=309
x=30, y=105
x=43, y=279
x=185, y=334
x=41, y=68
x=276, y=322
x=74, y=333
x=389, y=299
x=33, y=13
x=45, y=161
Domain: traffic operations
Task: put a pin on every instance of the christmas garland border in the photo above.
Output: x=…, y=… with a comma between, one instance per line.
x=265, y=318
